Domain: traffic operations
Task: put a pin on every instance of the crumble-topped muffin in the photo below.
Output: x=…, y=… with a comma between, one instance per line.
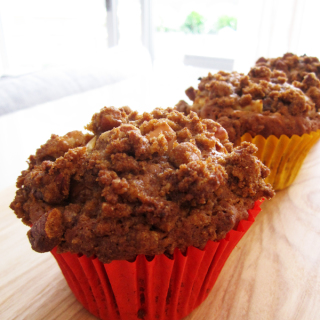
x=260, y=103
x=141, y=184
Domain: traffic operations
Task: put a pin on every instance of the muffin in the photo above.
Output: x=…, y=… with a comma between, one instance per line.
x=142, y=213
x=263, y=108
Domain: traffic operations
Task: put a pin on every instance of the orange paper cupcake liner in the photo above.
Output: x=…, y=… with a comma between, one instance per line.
x=283, y=156
x=162, y=289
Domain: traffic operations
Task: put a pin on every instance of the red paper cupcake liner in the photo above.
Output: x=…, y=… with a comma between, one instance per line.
x=161, y=289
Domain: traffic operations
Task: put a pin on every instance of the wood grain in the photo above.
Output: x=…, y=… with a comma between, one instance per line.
x=274, y=272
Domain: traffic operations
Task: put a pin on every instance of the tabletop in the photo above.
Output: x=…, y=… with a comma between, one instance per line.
x=273, y=273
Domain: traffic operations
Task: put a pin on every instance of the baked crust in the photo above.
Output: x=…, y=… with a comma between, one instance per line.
x=143, y=184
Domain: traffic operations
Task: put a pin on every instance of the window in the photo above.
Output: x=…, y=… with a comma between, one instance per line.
x=45, y=33
x=199, y=33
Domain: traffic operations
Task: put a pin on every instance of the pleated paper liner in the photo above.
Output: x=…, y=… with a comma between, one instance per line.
x=284, y=156
x=160, y=289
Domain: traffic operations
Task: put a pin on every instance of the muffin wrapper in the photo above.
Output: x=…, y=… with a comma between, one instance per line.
x=162, y=289
x=283, y=156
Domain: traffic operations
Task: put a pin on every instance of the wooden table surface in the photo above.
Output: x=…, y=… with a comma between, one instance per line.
x=273, y=273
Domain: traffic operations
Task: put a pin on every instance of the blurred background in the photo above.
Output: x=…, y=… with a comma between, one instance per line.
x=63, y=60
x=221, y=34
x=185, y=38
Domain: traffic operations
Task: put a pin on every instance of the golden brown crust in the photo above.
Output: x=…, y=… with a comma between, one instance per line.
x=147, y=185
x=260, y=103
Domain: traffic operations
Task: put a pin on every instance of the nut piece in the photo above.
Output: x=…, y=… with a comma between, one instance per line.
x=45, y=234
x=91, y=144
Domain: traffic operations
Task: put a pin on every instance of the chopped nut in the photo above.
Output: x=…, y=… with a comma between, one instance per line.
x=91, y=144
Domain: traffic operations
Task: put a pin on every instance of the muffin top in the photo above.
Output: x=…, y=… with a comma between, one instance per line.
x=260, y=103
x=140, y=184
x=295, y=67
x=303, y=72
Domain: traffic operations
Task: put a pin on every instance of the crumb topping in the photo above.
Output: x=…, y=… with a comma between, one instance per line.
x=303, y=72
x=295, y=67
